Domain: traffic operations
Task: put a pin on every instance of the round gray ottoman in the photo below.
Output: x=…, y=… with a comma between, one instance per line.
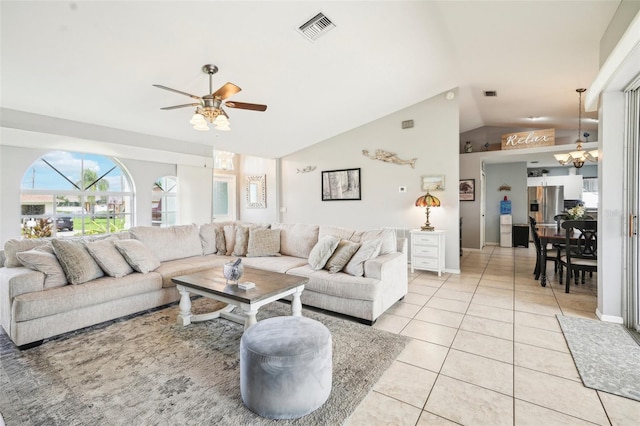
x=285, y=367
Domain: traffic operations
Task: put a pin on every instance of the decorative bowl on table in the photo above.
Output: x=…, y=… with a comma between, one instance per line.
x=232, y=272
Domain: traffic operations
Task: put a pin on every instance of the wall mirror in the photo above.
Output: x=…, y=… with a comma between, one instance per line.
x=256, y=192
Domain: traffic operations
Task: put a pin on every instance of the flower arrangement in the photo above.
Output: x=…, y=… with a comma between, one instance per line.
x=576, y=212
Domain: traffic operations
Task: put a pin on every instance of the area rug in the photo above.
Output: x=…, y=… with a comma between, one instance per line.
x=607, y=357
x=147, y=370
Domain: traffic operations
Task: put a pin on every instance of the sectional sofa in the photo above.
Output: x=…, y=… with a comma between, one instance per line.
x=53, y=286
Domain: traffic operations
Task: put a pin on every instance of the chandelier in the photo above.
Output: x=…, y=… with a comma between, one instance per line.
x=578, y=157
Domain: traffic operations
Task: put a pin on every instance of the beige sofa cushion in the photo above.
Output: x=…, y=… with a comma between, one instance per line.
x=14, y=246
x=208, y=238
x=77, y=263
x=105, y=253
x=322, y=251
x=340, y=285
x=263, y=242
x=336, y=231
x=175, y=242
x=341, y=256
x=368, y=250
x=296, y=239
x=66, y=299
x=389, y=243
x=45, y=262
x=139, y=256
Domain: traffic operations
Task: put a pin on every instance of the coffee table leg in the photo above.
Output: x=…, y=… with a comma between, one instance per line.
x=184, y=317
x=251, y=316
x=296, y=304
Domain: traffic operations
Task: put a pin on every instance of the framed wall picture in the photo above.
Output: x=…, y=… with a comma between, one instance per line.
x=256, y=190
x=467, y=189
x=338, y=185
x=433, y=183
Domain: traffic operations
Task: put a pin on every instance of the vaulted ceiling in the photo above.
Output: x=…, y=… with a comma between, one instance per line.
x=95, y=62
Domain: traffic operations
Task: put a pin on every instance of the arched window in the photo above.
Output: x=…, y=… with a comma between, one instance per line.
x=70, y=193
x=163, y=201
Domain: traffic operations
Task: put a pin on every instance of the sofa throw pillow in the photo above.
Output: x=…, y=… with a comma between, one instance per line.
x=208, y=238
x=368, y=250
x=221, y=244
x=322, y=251
x=76, y=262
x=139, y=256
x=229, y=239
x=105, y=253
x=242, y=241
x=263, y=242
x=45, y=262
x=341, y=256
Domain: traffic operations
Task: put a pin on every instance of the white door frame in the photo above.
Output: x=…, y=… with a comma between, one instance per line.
x=230, y=180
x=483, y=204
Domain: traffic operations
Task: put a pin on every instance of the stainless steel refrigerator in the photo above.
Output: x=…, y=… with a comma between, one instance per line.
x=545, y=202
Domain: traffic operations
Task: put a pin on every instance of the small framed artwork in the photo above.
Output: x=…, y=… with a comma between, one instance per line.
x=340, y=185
x=467, y=189
x=433, y=183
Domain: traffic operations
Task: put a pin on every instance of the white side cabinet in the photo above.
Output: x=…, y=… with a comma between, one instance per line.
x=427, y=251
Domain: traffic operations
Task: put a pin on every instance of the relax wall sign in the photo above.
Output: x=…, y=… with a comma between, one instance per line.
x=532, y=139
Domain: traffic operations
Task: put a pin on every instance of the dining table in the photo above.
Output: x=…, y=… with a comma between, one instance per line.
x=550, y=235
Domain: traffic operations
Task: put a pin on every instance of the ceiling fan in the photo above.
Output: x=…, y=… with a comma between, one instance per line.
x=209, y=107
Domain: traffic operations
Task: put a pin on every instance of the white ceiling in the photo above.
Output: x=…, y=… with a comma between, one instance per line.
x=95, y=62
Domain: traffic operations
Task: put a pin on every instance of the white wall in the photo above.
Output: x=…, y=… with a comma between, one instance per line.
x=195, y=191
x=433, y=141
x=611, y=229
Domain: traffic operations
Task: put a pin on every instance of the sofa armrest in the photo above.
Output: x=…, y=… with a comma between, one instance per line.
x=402, y=245
x=15, y=281
x=382, y=266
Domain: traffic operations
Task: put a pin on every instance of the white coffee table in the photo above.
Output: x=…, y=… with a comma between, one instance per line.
x=270, y=286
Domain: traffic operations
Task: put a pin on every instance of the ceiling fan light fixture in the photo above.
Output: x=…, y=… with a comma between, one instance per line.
x=201, y=127
x=197, y=119
x=594, y=154
x=223, y=128
x=221, y=120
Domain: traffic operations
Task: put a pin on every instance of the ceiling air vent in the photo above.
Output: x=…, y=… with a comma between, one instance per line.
x=316, y=27
x=490, y=93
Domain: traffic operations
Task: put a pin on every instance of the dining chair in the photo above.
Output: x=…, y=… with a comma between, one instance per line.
x=536, y=241
x=581, y=250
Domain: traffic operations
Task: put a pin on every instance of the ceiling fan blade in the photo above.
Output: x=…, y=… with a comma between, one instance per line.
x=177, y=91
x=182, y=106
x=225, y=91
x=244, y=105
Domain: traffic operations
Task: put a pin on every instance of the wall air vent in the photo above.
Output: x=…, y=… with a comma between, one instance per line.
x=490, y=93
x=316, y=27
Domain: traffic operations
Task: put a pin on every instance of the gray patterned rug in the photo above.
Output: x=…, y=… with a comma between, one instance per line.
x=147, y=370
x=607, y=357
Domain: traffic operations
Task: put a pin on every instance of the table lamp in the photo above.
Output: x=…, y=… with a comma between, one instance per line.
x=427, y=201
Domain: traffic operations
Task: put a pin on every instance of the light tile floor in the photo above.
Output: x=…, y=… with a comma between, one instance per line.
x=487, y=349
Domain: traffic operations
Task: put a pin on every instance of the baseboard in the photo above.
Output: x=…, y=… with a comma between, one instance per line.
x=452, y=271
x=492, y=244
x=609, y=318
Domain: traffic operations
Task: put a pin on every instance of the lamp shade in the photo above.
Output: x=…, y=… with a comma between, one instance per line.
x=427, y=200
